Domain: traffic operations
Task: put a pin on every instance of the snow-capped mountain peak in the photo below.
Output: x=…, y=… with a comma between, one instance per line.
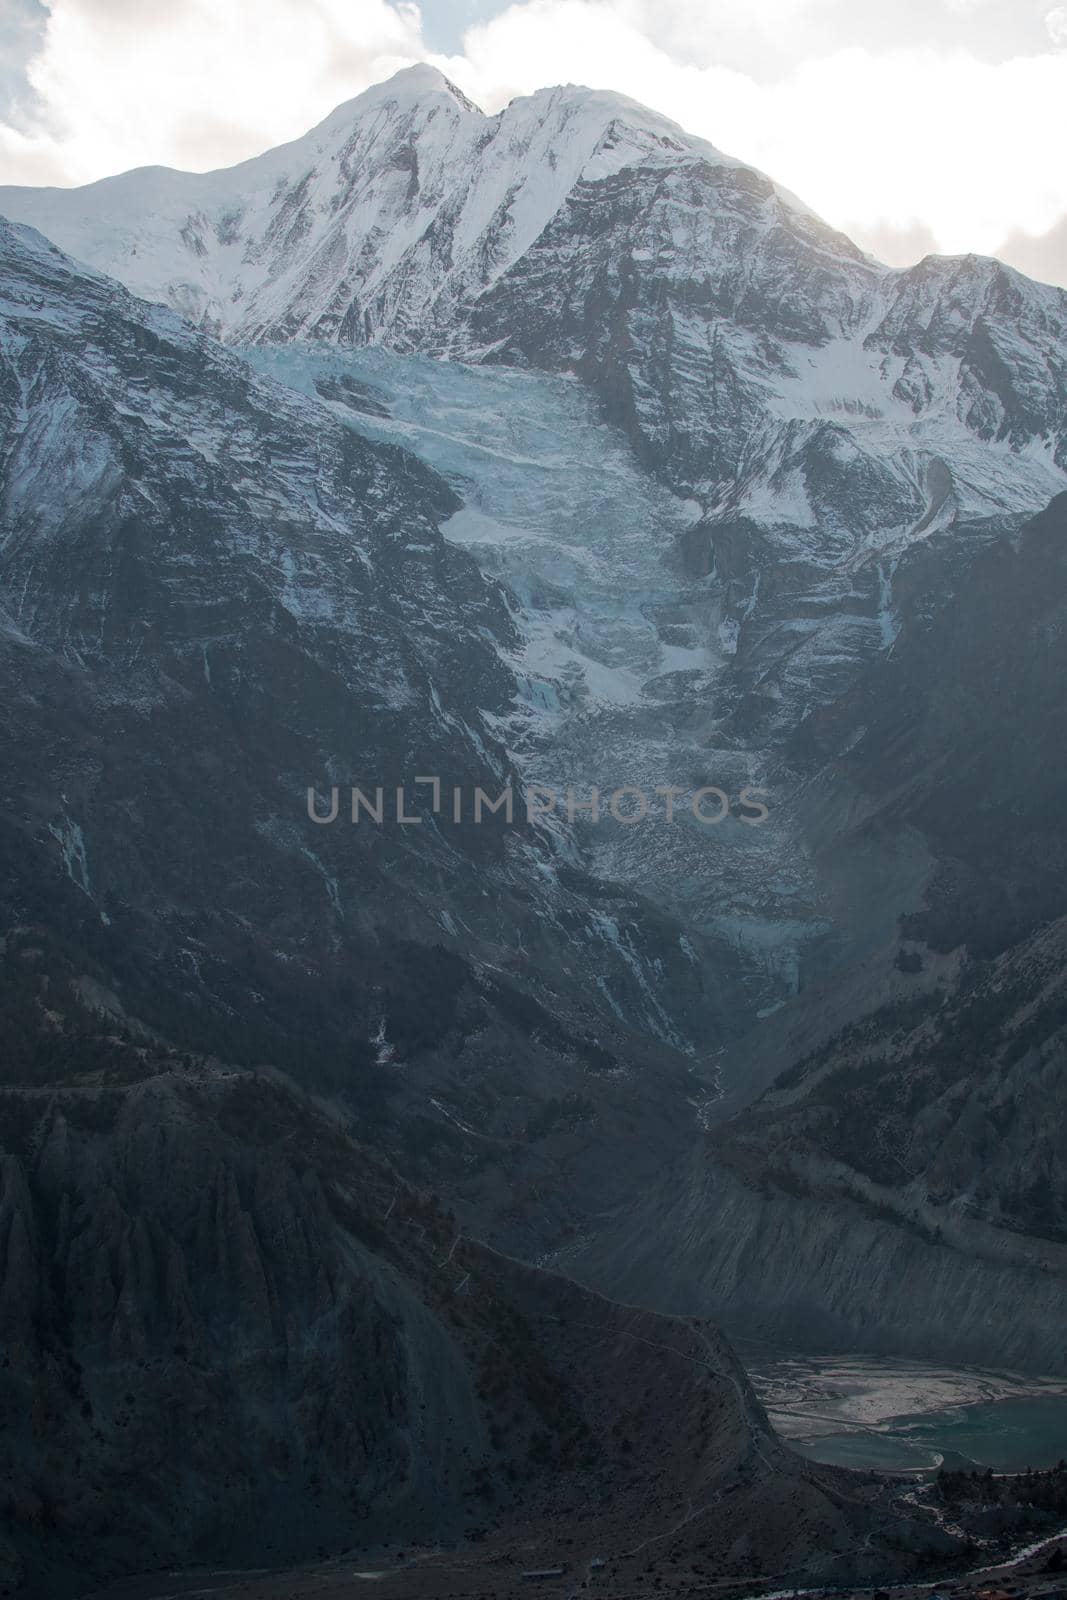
x=415, y=82
x=421, y=87
x=404, y=194
x=757, y=359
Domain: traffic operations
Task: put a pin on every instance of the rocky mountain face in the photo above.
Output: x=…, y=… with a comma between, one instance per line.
x=901, y=1189
x=232, y=1334
x=216, y=1304
x=915, y=1138
x=215, y=597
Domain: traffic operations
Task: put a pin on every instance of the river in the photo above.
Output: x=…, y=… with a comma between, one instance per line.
x=864, y=1411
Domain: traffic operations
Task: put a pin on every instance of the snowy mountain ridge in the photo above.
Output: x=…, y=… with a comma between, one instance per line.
x=392, y=199
x=758, y=360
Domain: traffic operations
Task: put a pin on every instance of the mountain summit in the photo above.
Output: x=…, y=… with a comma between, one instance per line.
x=402, y=199
x=756, y=358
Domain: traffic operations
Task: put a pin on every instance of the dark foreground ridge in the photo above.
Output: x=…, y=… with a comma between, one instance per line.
x=236, y=1336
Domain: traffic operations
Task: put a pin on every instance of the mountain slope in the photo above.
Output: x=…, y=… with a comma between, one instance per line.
x=214, y=596
x=901, y=1186
x=819, y=413
x=852, y=445
x=900, y=1190
x=233, y=1334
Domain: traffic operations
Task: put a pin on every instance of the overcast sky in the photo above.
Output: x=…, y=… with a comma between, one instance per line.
x=915, y=125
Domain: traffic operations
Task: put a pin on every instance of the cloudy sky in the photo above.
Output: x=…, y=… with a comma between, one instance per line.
x=915, y=124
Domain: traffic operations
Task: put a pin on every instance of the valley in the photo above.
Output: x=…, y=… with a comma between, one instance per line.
x=895, y=1416
x=402, y=1185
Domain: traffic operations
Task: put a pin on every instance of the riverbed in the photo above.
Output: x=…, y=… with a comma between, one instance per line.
x=869, y=1412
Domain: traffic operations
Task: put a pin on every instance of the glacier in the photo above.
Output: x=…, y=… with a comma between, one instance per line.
x=621, y=659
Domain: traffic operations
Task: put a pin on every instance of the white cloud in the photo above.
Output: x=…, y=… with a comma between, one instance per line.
x=957, y=149
x=968, y=147
x=899, y=244
x=697, y=33
x=1056, y=23
x=1043, y=256
x=194, y=82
